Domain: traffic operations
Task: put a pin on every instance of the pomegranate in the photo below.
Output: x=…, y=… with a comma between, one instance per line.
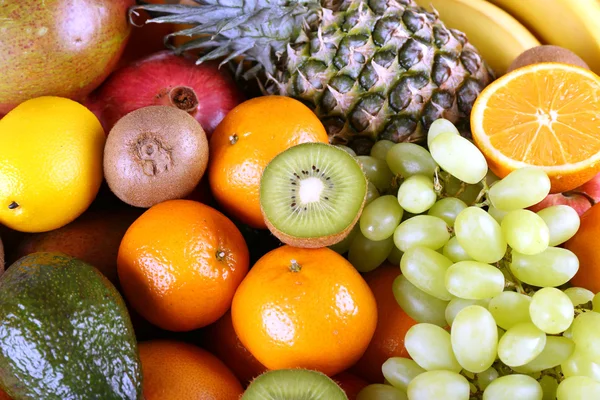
x=58, y=47
x=205, y=91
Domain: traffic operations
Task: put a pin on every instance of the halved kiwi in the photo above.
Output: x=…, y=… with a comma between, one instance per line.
x=312, y=194
x=1, y=257
x=154, y=154
x=293, y=384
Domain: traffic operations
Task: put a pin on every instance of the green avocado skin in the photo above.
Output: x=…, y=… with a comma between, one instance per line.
x=65, y=333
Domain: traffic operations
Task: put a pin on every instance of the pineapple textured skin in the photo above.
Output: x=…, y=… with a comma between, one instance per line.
x=370, y=69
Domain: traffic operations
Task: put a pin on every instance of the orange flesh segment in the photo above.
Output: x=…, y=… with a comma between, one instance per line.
x=545, y=117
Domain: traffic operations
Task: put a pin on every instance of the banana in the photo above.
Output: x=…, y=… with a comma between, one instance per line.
x=498, y=36
x=572, y=24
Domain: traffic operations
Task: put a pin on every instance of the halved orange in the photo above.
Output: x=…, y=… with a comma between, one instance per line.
x=546, y=115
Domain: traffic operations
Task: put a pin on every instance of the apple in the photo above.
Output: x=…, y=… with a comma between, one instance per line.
x=581, y=198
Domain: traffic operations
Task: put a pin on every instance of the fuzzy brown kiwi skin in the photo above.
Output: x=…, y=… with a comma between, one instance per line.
x=317, y=242
x=1, y=258
x=547, y=53
x=154, y=154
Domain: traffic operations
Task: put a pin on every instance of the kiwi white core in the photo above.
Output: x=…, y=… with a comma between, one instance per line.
x=310, y=190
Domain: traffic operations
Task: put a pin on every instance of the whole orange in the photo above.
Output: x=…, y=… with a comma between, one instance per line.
x=392, y=325
x=585, y=246
x=175, y=370
x=247, y=139
x=180, y=263
x=220, y=339
x=304, y=308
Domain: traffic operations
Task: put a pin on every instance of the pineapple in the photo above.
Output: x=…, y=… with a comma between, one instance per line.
x=370, y=69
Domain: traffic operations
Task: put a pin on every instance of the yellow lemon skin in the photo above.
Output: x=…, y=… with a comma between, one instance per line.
x=51, y=152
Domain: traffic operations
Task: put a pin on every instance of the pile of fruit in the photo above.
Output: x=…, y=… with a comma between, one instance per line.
x=363, y=200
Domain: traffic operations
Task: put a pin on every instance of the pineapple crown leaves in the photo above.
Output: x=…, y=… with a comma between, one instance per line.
x=258, y=30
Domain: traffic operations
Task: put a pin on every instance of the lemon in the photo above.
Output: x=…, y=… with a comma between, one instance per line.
x=50, y=163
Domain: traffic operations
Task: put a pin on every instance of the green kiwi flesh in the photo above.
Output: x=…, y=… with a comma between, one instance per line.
x=312, y=194
x=547, y=53
x=154, y=154
x=293, y=384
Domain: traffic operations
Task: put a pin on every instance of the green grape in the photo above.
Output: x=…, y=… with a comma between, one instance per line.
x=380, y=219
x=480, y=235
x=457, y=304
x=416, y=194
x=417, y=304
x=408, y=159
x=579, y=295
x=557, y=350
x=525, y=231
x=578, y=388
x=469, y=194
x=366, y=255
x=399, y=371
x=581, y=364
x=422, y=230
x=454, y=251
x=346, y=149
x=486, y=377
x=343, y=246
x=521, y=344
x=510, y=308
x=372, y=193
x=426, y=269
x=586, y=334
x=440, y=385
x=498, y=215
x=440, y=125
x=474, y=280
x=551, y=310
x=553, y=267
x=549, y=386
x=378, y=391
x=562, y=221
x=395, y=256
x=447, y=209
x=596, y=302
x=474, y=338
x=521, y=188
x=516, y=386
x=430, y=347
x=381, y=148
x=376, y=171
x=459, y=157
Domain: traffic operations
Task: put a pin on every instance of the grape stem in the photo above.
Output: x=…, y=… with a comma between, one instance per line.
x=511, y=282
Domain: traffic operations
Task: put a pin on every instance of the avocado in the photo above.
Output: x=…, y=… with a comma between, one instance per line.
x=65, y=333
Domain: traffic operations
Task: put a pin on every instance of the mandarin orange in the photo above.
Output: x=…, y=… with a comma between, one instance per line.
x=304, y=308
x=392, y=325
x=176, y=370
x=220, y=339
x=247, y=139
x=585, y=246
x=180, y=263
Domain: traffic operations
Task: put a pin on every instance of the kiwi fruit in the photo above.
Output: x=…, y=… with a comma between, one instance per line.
x=547, y=53
x=312, y=194
x=293, y=384
x=1, y=257
x=154, y=154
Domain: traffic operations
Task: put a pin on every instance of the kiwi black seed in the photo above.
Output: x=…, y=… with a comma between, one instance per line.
x=154, y=154
x=293, y=384
x=547, y=53
x=312, y=194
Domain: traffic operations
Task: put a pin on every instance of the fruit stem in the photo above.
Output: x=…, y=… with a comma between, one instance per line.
x=294, y=266
x=220, y=255
x=13, y=205
x=184, y=98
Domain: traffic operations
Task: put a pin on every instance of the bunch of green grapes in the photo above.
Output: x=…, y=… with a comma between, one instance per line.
x=483, y=276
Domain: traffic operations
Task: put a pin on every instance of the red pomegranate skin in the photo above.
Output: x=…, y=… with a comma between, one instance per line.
x=58, y=47
x=153, y=80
